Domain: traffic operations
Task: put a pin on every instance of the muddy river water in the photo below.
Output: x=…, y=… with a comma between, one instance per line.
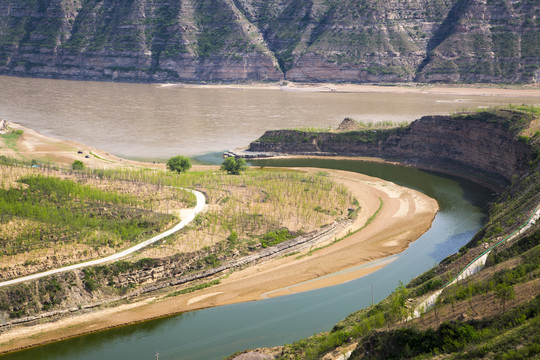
x=152, y=121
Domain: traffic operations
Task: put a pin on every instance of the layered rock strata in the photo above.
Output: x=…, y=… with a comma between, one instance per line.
x=269, y=40
x=472, y=146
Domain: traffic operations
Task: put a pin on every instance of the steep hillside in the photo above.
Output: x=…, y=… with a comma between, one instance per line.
x=238, y=40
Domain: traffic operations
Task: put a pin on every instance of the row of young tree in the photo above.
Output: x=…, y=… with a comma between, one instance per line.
x=231, y=165
x=181, y=164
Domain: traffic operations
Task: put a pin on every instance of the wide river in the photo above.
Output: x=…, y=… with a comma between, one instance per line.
x=154, y=122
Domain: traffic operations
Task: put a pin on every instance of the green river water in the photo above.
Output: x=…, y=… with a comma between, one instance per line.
x=218, y=332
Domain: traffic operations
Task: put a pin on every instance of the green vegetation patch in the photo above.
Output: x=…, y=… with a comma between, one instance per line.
x=308, y=136
x=515, y=118
x=195, y=288
x=56, y=210
x=472, y=339
x=275, y=237
x=11, y=139
x=408, y=342
x=518, y=248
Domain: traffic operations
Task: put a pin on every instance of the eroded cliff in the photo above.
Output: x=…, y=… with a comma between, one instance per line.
x=238, y=40
x=484, y=146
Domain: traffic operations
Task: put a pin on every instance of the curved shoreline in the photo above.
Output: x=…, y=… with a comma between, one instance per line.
x=405, y=215
x=251, y=283
x=270, y=156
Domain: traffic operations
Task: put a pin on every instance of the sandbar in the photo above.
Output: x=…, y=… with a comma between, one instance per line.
x=400, y=88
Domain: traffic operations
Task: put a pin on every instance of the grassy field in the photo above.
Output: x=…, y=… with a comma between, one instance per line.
x=11, y=138
x=242, y=209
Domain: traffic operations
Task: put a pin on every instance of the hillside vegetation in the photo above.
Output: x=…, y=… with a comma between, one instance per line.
x=493, y=314
x=237, y=40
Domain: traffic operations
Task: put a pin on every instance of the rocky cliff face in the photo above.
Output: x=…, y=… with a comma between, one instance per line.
x=483, y=146
x=132, y=40
x=268, y=40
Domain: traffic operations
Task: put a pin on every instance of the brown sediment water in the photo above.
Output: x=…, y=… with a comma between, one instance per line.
x=153, y=121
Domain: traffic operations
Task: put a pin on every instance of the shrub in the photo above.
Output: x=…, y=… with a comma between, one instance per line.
x=233, y=166
x=275, y=237
x=233, y=237
x=77, y=165
x=179, y=164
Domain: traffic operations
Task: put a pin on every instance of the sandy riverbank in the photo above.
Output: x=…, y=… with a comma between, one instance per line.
x=446, y=89
x=404, y=215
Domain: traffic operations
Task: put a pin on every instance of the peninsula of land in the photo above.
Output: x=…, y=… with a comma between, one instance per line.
x=391, y=217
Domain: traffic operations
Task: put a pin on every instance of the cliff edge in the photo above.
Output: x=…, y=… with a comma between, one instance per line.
x=484, y=146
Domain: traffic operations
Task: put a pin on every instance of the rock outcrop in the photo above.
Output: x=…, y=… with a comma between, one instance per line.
x=482, y=146
x=261, y=40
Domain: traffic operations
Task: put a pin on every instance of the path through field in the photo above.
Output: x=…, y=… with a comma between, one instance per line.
x=201, y=201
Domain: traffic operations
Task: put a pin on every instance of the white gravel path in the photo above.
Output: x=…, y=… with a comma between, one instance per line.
x=201, y=202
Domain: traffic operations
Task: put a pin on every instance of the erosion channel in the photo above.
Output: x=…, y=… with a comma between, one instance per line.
x=218, y=332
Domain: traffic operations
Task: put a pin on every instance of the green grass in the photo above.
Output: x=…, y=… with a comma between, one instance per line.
x=57, y=210
x=194, y=288
x=100, y=158
x=11, y=139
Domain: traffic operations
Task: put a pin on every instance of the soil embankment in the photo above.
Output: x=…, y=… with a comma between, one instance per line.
x=483, y=147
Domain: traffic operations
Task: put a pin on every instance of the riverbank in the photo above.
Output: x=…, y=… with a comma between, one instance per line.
x=34, y=145
x=403, y=214
x=433, y=89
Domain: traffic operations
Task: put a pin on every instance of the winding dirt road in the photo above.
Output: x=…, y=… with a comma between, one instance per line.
x=201, y=201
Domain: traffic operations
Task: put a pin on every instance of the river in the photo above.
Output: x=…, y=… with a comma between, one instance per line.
x=218, y=332
x=155, y=122
x=149, y=121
